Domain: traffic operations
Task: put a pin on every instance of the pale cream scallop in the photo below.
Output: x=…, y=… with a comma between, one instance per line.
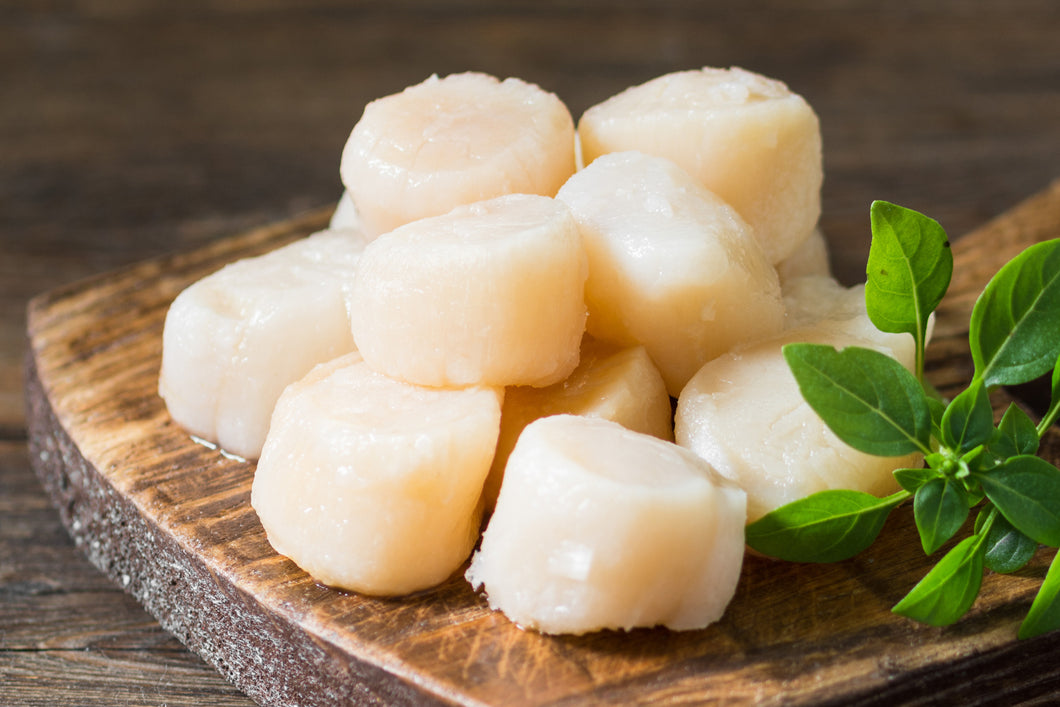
x=345, y=214
x=744, y=414
x=233, y=340
x=812, y=299
x=671, y=265
x=811, y=258
x=745, y=137
x=617, y=384
x=490, y=293
x=372, y=485
x=599, y=527
x=451, y=141
x=822, y=302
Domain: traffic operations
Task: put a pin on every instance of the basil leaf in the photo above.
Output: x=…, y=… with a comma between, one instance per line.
x=827, y=526
x=1015, y=326
x=949, y=589
x=1016, y=434
x=978, y=459
x=1054, y=404
x=1026, y=489
x=1056, y=385
x=908, y=271
x=868, y=399
x=975, y=492
x=913, y=479
x=938, y=410
x=1044, y=614
x=940, y=507
x=969, y=419
x=1007, y=549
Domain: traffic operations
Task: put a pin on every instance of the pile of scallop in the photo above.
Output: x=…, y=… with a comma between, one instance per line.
x=493, y=328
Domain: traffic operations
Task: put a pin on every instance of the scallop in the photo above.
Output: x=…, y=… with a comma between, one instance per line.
x=744, y=414
x=672, y=266
x=599, y=527
x=451, y=141
x=491, y=293
x=746, y=137
x=233, y=340
x=371, y=484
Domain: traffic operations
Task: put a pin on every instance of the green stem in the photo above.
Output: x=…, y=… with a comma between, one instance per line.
x=988, y=523
x=920, y=346
x=895, y=498
x=1050, y=417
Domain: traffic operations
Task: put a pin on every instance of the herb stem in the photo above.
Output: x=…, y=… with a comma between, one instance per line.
x=983, y=531
x=920, y=346
x=896, y=498
x=1047, y=421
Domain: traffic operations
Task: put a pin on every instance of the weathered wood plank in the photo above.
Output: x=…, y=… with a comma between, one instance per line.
x=32, y=540
x=149, y=505
x=79, y=678
x=65, y=629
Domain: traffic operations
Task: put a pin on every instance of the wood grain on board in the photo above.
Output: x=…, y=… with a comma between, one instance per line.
x=170, y=521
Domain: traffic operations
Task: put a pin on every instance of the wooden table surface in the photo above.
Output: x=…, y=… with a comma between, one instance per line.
x=128, y=130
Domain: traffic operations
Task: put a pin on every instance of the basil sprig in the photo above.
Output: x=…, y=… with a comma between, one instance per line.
x=909, y=269
x=877, y=406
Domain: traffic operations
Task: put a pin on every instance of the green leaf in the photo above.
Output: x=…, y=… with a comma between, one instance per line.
x=938, y=409
x=1044, y=614
x=1056, y=385
x=913, y=479
x=969, y=419
x=1026, y=489
x=949, y=589
x=1054, y=405
x=908, y=271
x=1007, y=549
x=940, y=507
x=868, y=399
x=980, y=459
x=1016, y=434
x=975, y=491
x=827, y=526
x=1015, y=326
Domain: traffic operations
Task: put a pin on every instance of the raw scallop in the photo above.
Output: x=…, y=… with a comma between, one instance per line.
x=233, y=340
x=743, y=411
x=600, y=527
x=747, y=138
x=373, y=485
x=672, y=267
x=617, y=384
x=451, y=141
x=490, y=293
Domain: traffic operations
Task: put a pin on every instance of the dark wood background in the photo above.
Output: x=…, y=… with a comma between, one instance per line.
x=131, y=129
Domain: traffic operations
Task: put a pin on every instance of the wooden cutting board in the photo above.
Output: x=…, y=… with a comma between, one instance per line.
x=170, y=521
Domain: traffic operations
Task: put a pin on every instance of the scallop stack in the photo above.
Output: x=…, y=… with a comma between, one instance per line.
x=490, y=330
